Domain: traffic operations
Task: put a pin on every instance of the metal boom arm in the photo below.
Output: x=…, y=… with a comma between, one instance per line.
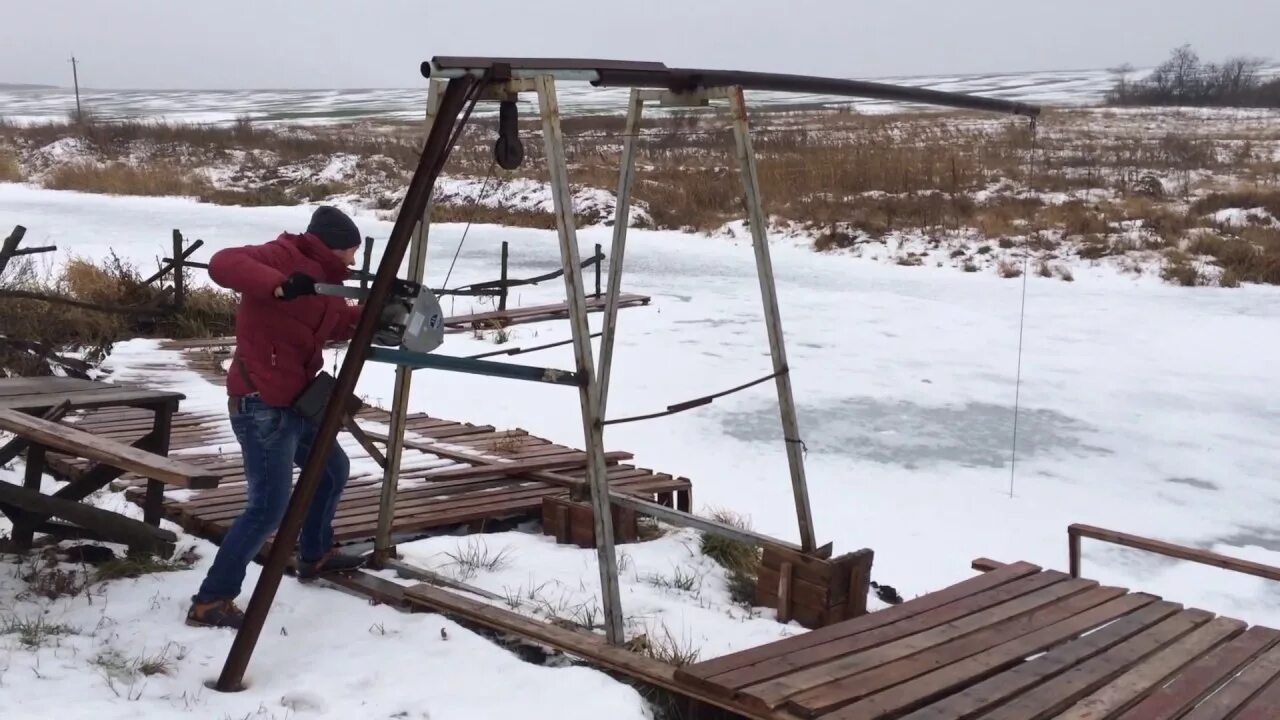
x=615, y=73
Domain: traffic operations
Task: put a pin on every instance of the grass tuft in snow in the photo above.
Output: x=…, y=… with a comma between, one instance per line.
x=682, y=579
x=664, y=647
x=476, y=556
x=46, y=578
x=34, y=632
x=739, y=559
x=132, y=567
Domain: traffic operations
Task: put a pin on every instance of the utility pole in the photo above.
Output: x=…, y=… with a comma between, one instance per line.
x=75, y=77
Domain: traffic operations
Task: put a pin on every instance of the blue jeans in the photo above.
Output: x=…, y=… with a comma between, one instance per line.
x=272, y=440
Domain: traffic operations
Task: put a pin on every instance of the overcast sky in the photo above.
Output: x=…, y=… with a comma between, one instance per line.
x=160, y=44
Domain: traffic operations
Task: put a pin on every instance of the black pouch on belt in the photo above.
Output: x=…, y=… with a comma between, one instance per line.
x=313, y=400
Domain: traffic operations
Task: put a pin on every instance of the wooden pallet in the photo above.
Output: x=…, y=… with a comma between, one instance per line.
x=436, y=491
x=1017, y=643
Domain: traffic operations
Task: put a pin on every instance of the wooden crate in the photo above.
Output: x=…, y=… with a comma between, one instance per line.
x=573, y=523
x=814, y=592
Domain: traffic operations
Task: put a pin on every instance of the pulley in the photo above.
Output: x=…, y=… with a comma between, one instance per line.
x=508, y=151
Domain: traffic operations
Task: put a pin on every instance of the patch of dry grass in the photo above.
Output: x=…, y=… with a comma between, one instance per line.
x=122, y=179
x=10, y=171
x=62, y=328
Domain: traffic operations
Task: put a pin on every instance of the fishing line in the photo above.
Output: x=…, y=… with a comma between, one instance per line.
x=1026, y=254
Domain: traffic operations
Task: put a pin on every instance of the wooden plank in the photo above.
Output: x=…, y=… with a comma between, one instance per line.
x=43, y=385
x=805, y=657
x=1204, y=676
x=1037, y=630
x=1001, y=673
x=1064, y=690
x=983, y=564
x=1240, y=689
x=1263, y=706
x=88, y=399
x=772, y=693
x=785, y=576
x=585, y=645
x=114, y=526
x=497, y=470
x=880, y=618
x=68, y=439
x=1133, y=685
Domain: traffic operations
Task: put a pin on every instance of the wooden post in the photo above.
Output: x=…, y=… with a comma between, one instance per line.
x=23, y=533
x=368, y=263
x=383, y=549
x=772, y=316
x=10, y=247
x=75, y=78
x=588, y=391
x=1073, y=552
x=502, y=299
x=621, y=219
x=179, y=280
x=599, y=261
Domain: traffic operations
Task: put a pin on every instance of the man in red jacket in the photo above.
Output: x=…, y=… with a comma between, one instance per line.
x=282, y=327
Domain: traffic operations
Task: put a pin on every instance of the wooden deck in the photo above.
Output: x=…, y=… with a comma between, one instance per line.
x=439, y=484
x=1016, y=643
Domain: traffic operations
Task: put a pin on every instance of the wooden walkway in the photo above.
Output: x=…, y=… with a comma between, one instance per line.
x=447, y=477
x=1017, y=643
x=440, y=484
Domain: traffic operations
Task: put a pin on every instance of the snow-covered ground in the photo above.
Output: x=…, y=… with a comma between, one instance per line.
x=1143, y=407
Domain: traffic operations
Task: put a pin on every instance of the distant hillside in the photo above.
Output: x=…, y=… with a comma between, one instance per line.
x=25, y=86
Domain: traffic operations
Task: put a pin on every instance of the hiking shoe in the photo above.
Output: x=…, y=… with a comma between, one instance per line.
x=331, y=563
x=218, y=613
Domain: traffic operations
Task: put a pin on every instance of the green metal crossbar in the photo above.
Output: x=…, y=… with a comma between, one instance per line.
x=418, y=361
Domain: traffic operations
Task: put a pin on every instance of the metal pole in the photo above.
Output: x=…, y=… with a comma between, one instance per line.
x=772, y=316
x=622, y=217
x=382, y=548
x=588, y=391
x=434, y=154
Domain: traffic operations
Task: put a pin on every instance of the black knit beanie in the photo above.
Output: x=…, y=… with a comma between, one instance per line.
x=334, y=228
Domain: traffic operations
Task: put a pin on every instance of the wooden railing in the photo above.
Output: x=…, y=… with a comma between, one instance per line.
x=1181, y=552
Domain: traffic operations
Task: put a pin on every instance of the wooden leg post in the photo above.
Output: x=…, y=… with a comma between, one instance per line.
x=588, y=393
x=24, y=532
x=622, y=218
x=158, y=443
x=772, y=317
x=383, y=550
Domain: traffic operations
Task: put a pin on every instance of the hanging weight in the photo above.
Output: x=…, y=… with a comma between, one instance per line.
x=508, y=151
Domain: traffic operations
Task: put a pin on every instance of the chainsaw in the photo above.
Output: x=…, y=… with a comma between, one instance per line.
x=411, y=319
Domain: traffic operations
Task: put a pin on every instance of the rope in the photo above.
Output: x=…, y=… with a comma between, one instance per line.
x=1026, y=255
x=699, y=402
x=475, y=200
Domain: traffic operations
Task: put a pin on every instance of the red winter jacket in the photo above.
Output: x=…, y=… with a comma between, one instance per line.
x=279, y=342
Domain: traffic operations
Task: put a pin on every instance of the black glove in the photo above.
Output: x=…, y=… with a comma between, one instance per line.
x=297, y=285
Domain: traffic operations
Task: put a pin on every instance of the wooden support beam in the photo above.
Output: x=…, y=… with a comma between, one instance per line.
x=67, y=439
x=116, y=527
x=14, y=447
